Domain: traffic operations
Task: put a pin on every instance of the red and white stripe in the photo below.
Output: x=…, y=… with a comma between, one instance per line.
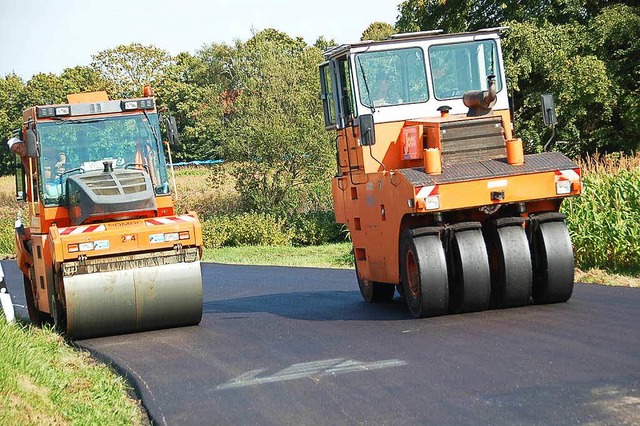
x=569, y=174
x=170, y=220
x=427, y=191
x=74, y=230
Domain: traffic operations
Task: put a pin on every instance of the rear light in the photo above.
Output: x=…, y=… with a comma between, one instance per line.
x=137, y=104
x=129, y=105
x=432, y=202
x=86, y=246
x=52, y=111
x=63, y=110
x=169, y=237
x=563, y=187
x=172, y=236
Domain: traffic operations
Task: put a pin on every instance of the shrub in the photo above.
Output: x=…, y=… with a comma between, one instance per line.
x=247, y=229
x=315, y=228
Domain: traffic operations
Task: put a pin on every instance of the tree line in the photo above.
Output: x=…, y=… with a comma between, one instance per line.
x=255, y=102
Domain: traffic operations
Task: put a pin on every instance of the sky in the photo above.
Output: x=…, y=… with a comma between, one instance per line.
x=51, y=35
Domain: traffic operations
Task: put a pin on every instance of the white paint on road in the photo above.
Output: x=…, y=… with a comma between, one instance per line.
x=309, y=369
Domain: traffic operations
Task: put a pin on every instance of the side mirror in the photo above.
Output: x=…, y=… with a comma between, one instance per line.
x=172, y=131
x=32, y=141
x=21, y=195
x=367, y=130
x=549, y=110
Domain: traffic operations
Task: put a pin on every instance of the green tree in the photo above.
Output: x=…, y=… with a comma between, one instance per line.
x=12, y=100
x=128, y=68
x=470, y=15
x=378, y=31
x=323, y=44
x=614, y=38
x=275, y=130
x=579, y=50
x=196, y=104
x=85, y=79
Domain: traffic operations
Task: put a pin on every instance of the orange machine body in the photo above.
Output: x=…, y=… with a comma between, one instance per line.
x=376, y=204
x=52, y=236
x=425, y=147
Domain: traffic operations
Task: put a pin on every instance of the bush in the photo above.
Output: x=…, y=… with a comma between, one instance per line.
x=316, y=228
x=247, y=229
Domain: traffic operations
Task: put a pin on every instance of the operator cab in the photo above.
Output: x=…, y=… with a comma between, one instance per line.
x=410, y=76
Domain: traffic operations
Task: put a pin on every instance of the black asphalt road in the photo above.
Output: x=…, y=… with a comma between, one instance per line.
x=287, y=346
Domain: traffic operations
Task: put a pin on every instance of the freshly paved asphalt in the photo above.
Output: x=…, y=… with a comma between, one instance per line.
x=298, y=346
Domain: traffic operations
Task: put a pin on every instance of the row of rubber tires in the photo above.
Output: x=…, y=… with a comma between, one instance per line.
x=468, y=267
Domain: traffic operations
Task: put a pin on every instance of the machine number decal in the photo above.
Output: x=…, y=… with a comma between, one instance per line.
x=126, y=238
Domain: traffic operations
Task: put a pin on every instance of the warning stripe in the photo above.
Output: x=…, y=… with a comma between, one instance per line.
x=170, y=220
x=570, y=174
x=427, y=191
x=74, y=230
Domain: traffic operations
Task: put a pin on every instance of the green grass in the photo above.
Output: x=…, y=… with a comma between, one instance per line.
x=325, y=256
x=45, y=381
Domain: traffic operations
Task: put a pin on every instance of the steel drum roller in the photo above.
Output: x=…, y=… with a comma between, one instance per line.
x=133, y=299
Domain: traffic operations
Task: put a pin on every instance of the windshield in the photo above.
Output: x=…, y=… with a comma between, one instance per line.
x=73, y=146
x=457, y=68
x=393, y=77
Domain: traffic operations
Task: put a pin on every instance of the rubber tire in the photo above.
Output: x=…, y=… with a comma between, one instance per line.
x=470, y=276
x=511, y=267
x=423, y=270
x=373, y=291
x=58, y=316
x=34, y=313
x=553, y=263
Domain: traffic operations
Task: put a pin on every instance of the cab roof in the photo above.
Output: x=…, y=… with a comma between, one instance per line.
x=336, y=51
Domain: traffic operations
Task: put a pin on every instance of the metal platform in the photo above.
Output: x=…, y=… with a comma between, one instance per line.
x=488, y=169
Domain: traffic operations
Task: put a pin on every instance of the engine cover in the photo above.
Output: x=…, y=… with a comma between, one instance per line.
x=99, y=195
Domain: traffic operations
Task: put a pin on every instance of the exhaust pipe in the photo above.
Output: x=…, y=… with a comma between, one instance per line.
x=480, y=102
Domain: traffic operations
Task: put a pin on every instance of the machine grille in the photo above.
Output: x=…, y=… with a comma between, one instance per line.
x=476, y=139
x=129, y=182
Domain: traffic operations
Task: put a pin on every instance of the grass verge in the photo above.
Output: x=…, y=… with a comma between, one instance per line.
x=45, y=381
x=326, y=256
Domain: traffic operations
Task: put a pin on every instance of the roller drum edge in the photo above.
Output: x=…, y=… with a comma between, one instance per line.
x=147, y=298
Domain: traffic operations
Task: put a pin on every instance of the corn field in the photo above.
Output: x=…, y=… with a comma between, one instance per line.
x=605, y=221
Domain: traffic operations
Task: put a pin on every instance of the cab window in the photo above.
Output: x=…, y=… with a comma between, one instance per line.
x=460, y=67
x=393, y=77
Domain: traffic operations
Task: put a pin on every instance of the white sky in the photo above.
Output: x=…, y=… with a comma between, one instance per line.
x=50, y=35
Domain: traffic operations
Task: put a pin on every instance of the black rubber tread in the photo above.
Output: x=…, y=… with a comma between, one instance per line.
x=469, y=273
x=58, y=313
x=34, y=313
x=427, y=230
x=463, y=226
x=430, y=296
x=511, y=267
x=373, y=291
x=553, y=264
x=548, y=217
